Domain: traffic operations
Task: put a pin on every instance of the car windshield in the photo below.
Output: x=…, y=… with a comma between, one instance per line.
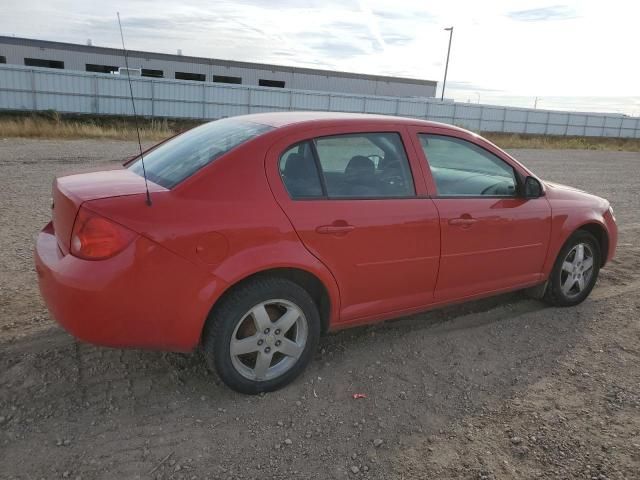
x=179, y=158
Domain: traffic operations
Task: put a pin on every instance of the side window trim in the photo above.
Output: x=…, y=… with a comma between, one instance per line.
x=516, y=174
x=316, y=161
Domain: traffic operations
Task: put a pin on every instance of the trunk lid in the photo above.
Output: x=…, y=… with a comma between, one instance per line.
x=72, y=191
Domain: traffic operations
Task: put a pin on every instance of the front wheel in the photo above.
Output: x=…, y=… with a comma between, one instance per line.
x=575, y=272
x=262, y=335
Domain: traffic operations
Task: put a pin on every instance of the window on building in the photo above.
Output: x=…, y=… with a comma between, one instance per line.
x=90, y=67
x=227, y=79
x=133, y=72
x=3, y=59
x=147, y=72
x=199, y=77
x=38, y=62
x=271, y=83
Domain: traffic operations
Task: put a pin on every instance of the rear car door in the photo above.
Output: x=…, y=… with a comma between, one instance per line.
x=492, y=238
x=358, y=202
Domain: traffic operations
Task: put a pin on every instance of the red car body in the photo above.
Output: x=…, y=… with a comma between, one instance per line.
x=234, y=219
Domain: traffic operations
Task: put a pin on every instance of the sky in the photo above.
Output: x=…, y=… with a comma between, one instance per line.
x=571, y=55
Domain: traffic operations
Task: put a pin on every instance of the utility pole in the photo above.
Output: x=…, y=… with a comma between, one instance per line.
x=446, y=67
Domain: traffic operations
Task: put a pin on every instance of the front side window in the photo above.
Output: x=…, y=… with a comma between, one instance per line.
x=461, y=168
x=181, y=157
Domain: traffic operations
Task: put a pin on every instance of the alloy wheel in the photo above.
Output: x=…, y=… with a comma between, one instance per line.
x=577, y=270
x=268, y=340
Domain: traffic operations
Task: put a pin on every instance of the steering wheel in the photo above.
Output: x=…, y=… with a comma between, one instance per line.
x=496, y=189
x=487, y=190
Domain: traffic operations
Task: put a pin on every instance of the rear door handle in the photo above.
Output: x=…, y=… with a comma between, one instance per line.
x=335, y=229
x=462, y=221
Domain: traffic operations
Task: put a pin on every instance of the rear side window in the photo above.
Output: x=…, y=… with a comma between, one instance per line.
x=179, y=158
x=461, y=168
x=364, y=165
x=369, y=165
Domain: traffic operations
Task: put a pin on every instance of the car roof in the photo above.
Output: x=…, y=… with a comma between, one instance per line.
x=282, y=119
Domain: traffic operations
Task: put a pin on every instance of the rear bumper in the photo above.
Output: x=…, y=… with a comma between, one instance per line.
x=143, y=297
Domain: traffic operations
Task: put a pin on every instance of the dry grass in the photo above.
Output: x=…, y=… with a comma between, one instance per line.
x=507, y=140
x=52, y=125
x=42, y=127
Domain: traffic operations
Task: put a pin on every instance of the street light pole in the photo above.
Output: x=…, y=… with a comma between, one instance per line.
x=444, y=83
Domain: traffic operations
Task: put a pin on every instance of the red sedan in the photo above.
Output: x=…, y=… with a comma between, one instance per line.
x=266, y=231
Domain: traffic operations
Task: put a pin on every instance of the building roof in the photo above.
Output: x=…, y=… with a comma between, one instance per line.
x=211, y=61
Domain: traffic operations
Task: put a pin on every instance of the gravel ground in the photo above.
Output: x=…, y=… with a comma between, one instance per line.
x=500, y=388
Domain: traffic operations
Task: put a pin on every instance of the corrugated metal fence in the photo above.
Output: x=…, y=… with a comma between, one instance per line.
x=33, y=89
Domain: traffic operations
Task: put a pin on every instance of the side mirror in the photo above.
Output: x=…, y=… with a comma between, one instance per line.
x=532, y=188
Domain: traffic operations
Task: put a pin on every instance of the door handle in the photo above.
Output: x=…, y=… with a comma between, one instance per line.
x=462, y=221
x=335, y=229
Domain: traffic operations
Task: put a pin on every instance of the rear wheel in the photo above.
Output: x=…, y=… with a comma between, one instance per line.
x=262, y=335
x=575, y=272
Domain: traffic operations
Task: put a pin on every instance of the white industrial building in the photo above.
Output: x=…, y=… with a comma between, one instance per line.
x=89, y=58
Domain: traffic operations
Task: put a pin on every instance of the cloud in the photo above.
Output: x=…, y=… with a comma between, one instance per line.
x=372, y=22
x=337, y=48
x=470, y=87
x=397, y=39
x=555, y=12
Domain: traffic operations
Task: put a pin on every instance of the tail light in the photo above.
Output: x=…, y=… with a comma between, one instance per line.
x=96, y=238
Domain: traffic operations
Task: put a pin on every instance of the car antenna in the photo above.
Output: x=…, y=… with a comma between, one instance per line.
x=135, y=116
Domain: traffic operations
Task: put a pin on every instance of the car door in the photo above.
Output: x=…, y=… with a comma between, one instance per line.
x=492, y=238
x=355, y=200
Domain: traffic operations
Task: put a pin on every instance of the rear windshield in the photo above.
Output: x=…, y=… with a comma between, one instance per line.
x=181, y=157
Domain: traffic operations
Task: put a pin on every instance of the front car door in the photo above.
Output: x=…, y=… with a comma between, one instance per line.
x=358, y=202
x=493, y=239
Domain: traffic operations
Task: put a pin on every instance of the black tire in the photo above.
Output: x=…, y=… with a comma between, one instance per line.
x=554, y=294
x=226, y=316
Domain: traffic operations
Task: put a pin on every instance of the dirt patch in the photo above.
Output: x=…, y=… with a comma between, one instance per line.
x=501, y=388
